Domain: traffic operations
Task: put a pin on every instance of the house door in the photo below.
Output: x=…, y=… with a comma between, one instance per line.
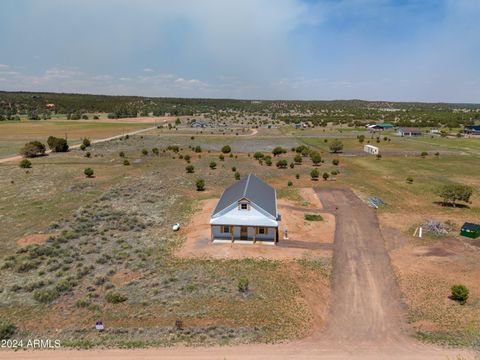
x=243, y=233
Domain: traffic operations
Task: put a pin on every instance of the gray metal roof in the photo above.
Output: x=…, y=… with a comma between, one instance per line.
x=253, y=189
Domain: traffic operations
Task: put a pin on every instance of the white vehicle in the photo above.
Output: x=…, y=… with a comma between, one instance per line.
x=176, y=227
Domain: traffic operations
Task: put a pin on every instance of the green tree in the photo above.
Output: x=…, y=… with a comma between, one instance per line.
x=155, y=151
x=460, y=293
x=32, y=149
x=314, y=174
x=315, y=157
x=213, y=165
x=86, y=142
x=126, y=162
x=361, y=138
x=25, y=164
x=226, y=149
x=88, y=172
x=221, y=157
x=258, y=155
x=7, y=330
x=278, y=150
x=237, y=175
x=190, y=169
x=335, y=162
x=144, y=152
x=282, y=164
x=455, y=192
x=200, y=184
x=298, y=159
x=325, y=176
x=57, y=144
x=336, y=146
x=242, y=285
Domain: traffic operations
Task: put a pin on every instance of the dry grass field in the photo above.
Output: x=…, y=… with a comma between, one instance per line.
x=77, y=250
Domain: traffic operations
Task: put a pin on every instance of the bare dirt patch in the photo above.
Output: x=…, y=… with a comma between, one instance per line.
x=33, y=239
x=311, y=197
x=312, y=238
x=121, y=278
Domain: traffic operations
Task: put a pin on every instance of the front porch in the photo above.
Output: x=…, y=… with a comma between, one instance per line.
x=244, y=234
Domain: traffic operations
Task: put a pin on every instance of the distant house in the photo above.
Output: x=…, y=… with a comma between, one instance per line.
x=381, y=127
x=470, y=230
x=198, y=124
x=409, y=132
x=472, y=130
x=371, y=149
x=297, y=125
x=246, y=212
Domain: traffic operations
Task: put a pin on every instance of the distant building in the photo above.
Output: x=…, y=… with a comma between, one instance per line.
x=50, y=106
x=409, y=132
x=472, y=130
x=381, y=127
x=470, y=230
x=373, y=150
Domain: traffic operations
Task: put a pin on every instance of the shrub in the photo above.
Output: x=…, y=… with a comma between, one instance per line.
x=198, y=149
x=190, y=169
x=237, y=175
x=88, y=154
x=88, y=172
x=297, y=176
x=460, y=293
x=95, y=117
x=234, y=168
x=25, y=164
x=409, y=180
x=268, y=161
x=335, y=162
x=126, y=162
x=114, y=297
x=86, y=142
x=242, y=285
x=314, y=174
x=7, y=330
x=200, y=184
x=278, y=150
x=57, y=144
x=258, y=155
x=313, y=217
x=144, y=152
x=213, y=165
x=45, y=296
x=298, y=159
x=336, y=146
x=290, y=183
x=32, y=149
x=454, y=192
x=423, y=154
x=379, y=156
x=221, y=157
x=155, y=151
x=315, y=157
x=325, y=176
x=121, y=154
x=82, y=147
x=226, y=149
x=187, y=158
x=282, y=164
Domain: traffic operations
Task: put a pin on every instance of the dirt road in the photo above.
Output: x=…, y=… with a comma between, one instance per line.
x=365, y=319
x=18, y=157
x=366, y=304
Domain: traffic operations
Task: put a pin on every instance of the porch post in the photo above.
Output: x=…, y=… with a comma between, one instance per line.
x=254, y=234
x=274, y=235
x=211, y=233
x=233, y=232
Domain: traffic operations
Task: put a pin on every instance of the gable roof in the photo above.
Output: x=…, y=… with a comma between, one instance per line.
x=253, y=189
x=410, y=129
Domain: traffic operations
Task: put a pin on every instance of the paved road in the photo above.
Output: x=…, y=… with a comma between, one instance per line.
x=18, y=157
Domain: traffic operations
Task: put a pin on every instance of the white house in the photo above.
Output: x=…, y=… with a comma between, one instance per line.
x=371, y=149
x=246, y=212
x=409, y=132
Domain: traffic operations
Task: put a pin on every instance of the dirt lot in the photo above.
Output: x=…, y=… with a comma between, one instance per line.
x=306, y=238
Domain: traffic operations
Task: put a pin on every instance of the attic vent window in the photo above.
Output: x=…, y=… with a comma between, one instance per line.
x=244, y=206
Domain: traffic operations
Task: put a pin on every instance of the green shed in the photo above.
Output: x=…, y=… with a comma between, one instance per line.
x=470, y=230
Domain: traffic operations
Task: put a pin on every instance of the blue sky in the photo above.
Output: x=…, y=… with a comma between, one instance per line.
x=403, y=50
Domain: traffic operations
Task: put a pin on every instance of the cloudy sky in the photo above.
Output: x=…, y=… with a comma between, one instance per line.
x=406, y=50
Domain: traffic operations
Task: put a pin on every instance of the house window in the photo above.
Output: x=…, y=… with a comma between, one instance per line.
x=262, y=231
x=225, y=229
x=244, y=206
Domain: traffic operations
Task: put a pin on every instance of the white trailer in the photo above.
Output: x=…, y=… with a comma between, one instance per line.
x=373, y=150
